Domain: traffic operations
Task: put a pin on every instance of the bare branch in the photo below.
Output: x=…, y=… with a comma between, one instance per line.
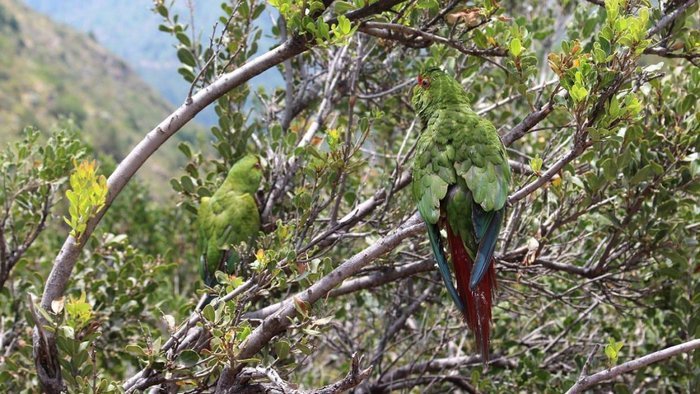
x=668, y=18
x=587, y=382
x=398, y=324
x=354, y=377
x=280, y=320
x=665, y=52
x=527, y=124
x=67, y=256
x=434, y=366
x=406, y=35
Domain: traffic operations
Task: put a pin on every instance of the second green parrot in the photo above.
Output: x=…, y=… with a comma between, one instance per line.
x=460, y=182
x=228, y=218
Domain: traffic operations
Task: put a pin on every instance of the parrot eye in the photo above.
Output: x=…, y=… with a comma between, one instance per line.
x=423, y=82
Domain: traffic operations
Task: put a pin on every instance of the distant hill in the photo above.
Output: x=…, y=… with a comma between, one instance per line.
x=48, y=71
x=130, y=30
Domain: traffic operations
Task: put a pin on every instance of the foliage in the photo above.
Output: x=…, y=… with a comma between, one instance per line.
x=32, y=172
x=599, y=247
x=87, y=196
x=106, y=306
x=51, y=73
x=612, y=351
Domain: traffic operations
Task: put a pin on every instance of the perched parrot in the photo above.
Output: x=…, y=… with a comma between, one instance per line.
x=228, y=218
x=460, y=183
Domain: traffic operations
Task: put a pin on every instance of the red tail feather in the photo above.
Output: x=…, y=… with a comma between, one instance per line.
x=477, y=303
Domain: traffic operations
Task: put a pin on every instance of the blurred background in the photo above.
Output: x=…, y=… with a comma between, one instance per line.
x=105, y=67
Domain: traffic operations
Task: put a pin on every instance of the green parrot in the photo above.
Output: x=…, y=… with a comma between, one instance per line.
x=460, y=182
x=228, y=218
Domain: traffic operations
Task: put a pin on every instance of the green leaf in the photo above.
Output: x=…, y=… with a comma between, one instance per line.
x=187, y=183
x=536, y=164
x=342, y=7
x=516, y=47
x=480, y=39
x=188, y=358
x=612, y=350
x=209, y=313
x=243, y=334
x=578, y=93
x=282, y=349
x=136, y=350
x=612, y=8
x=186, y=57
x=258, y=11
x=609, y=169
x=162, y=10
x=184, y=147
x=344, y=25
x=183, y=38
x=646, y=173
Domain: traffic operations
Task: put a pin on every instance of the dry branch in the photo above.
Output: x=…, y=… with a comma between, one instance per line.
x=587, y=382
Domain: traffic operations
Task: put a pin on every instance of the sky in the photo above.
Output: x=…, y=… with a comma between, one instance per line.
x=129, y=29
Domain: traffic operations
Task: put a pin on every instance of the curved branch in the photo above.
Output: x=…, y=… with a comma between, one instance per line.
x=63, y=265
x=47, y=366
x=590, y=381
x=71, y=249
x=282, y=318
x=668, y=53
x=279, y=321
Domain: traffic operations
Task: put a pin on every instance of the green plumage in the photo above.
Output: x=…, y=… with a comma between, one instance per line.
x=456, y=147
x=228, y=218
x=460, y=183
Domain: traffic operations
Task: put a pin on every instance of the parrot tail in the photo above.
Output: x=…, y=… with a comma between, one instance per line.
x=477, y=311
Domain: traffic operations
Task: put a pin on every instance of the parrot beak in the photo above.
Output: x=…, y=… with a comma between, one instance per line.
x=262, y=163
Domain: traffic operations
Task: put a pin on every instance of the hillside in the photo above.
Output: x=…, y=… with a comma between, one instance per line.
x=49, y=71
x=130, y=30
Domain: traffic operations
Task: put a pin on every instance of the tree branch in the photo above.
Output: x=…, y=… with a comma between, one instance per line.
x=280, y=320
x=8, y=259
x=530, y=121
x=665, y=52
x=405, y=34
x=433, y=366
x=354, y=377
x=590, y=381
x=668, y=18
x=67, y=256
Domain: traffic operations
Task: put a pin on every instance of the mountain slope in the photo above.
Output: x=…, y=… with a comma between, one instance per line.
x=130, y=29
x=49, y=71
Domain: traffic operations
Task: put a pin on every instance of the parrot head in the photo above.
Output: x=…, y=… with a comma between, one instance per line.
x=434, y=87
x=246, y=174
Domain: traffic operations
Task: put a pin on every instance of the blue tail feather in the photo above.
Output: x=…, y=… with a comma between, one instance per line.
x=439, y=252
x=487, y=244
